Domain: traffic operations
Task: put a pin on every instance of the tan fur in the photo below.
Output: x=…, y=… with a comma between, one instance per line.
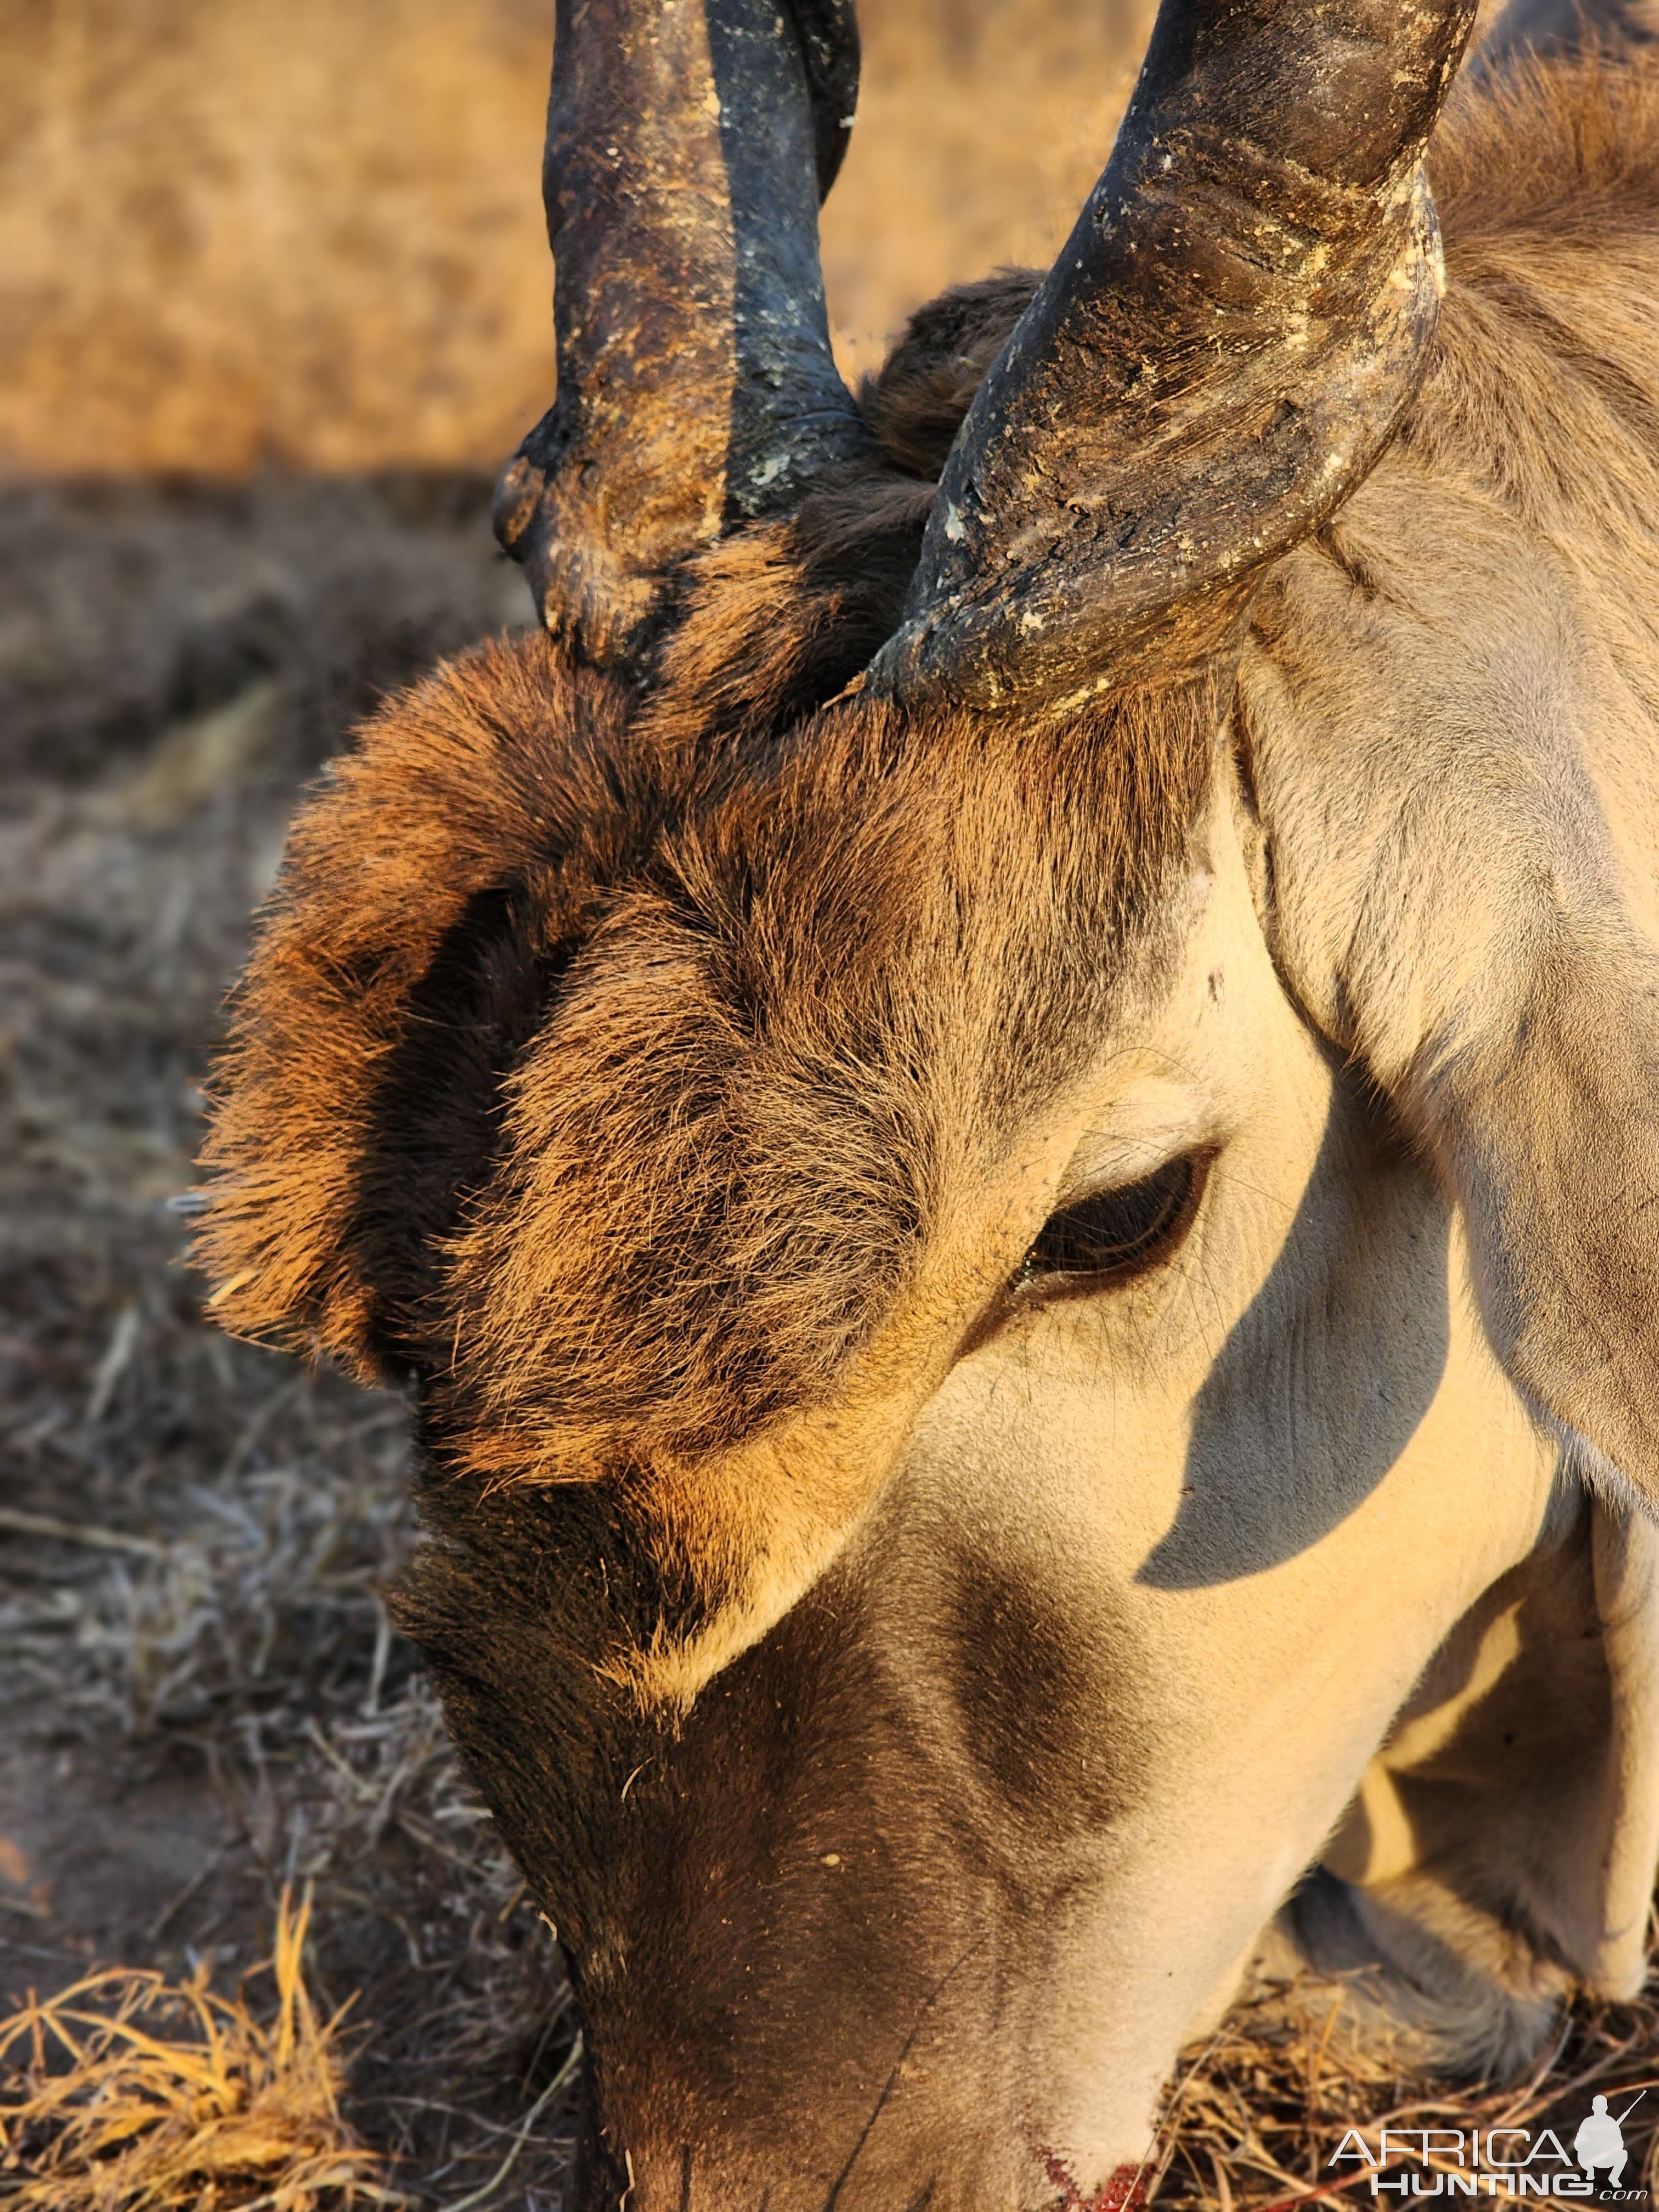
x=1451, y=702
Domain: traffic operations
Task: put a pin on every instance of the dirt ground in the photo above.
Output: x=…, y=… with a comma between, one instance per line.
x=200, y=1703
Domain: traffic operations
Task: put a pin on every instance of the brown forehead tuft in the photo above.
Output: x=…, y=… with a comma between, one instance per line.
x=604, y=1055
x=614, y=1085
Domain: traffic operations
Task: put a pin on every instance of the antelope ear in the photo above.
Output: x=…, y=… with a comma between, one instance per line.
x=1432, y=742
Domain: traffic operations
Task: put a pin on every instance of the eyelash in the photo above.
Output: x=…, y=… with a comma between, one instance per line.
x=1113, y=1236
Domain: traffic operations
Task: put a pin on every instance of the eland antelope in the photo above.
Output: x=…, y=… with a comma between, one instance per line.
x=1000, y=1101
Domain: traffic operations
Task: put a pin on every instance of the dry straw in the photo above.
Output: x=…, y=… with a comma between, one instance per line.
x=127, y=2094
x=1255, y=2113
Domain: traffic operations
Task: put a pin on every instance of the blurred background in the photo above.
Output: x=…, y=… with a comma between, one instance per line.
x=299, y=235
x=275, y=304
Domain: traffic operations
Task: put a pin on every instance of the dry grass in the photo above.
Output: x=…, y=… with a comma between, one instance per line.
x=202, y=1702
x=134, y=2094
x=279, y=232
x=291, y=234
x=1254, y=2114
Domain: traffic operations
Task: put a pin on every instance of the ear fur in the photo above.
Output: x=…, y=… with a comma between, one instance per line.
x=1460, y=825
x=1448, y=707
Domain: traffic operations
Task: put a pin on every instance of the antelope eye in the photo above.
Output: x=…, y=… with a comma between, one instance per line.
x=1118, y=1232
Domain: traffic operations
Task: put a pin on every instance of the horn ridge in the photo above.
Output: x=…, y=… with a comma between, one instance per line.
x=687, y=141
x=1222, y=348
x=829, y=34
x=791, y=416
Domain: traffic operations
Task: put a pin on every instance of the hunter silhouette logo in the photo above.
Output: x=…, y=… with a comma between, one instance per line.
x=1499, y=2161
x=1601, y=2140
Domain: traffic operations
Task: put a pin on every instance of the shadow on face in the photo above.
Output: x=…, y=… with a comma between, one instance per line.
x=1227, y=1529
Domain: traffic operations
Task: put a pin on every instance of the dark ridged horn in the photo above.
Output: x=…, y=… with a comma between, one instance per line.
x=688, y=143
x=1223, y=347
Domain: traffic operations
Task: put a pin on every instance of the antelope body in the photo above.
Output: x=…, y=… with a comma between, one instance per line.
x=1001, y=1100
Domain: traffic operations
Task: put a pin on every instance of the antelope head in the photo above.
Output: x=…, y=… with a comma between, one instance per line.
x=952, y=1409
